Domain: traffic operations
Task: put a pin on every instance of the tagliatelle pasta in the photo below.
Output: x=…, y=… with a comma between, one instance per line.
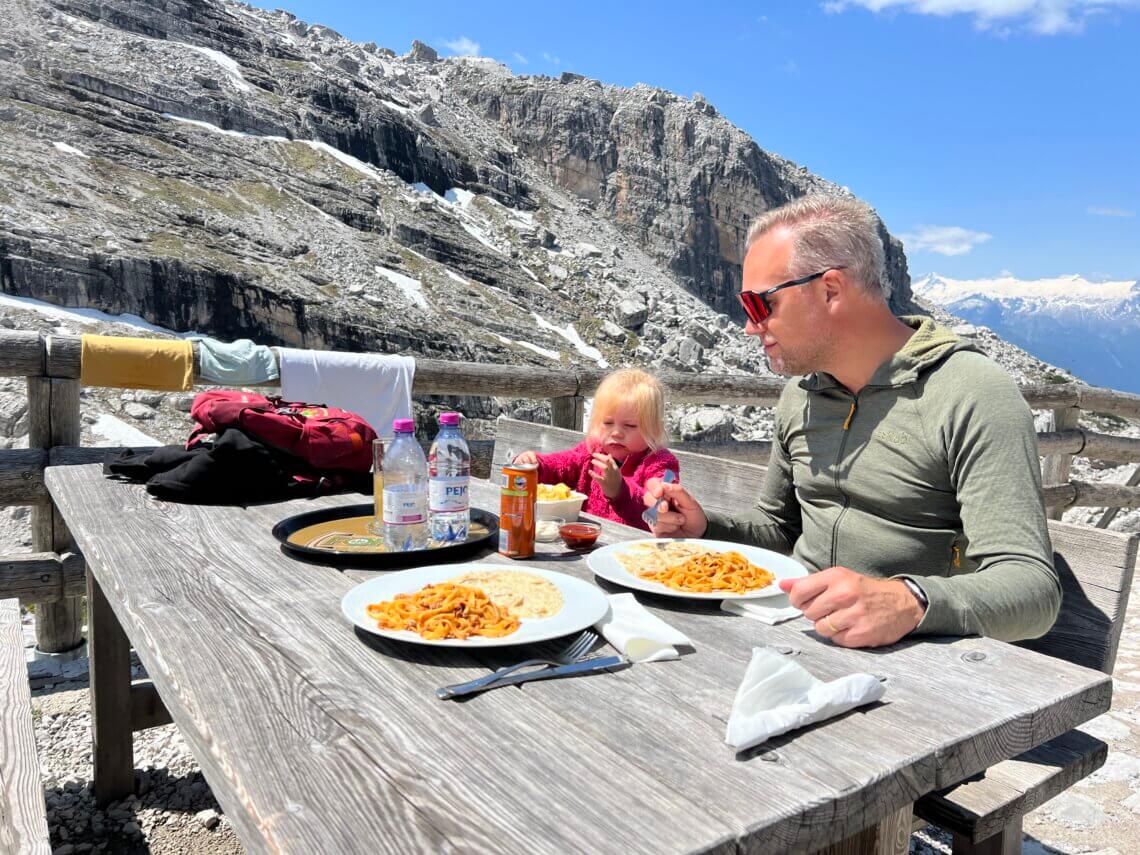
x=444, y=610
x=712, y=572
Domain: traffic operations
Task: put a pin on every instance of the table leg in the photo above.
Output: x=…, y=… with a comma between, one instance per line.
x=111, y=732
x=890, y=836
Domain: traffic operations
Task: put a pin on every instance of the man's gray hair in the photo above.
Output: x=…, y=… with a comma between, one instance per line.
x=830, y=231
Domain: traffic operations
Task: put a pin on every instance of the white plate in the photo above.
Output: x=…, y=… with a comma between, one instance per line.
x=604, y=563
x=583, y=605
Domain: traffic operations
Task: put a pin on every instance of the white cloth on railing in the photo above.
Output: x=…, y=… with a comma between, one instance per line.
x=778, y=695
x=372, y=385
x=641, y=636
x=770, y=610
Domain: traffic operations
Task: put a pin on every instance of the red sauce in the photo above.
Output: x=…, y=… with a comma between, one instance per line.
x=579, y=535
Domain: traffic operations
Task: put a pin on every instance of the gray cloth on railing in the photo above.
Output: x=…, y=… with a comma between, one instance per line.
x=235, y=363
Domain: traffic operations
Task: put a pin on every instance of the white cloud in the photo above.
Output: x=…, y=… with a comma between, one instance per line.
x=1099, y=211
x=519, y=58
x=944, y=240
x=551, y=58
x=1044, y=17
x=462, y=46
x=791, y=68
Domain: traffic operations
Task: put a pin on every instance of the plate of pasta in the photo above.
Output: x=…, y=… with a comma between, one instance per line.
x=474, y=605
x=694, y=568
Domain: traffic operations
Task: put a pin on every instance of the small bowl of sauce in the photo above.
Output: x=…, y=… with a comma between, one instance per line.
x=580, y=535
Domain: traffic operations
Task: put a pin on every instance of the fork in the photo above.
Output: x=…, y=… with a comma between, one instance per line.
x=649, y=515
x=574, y=651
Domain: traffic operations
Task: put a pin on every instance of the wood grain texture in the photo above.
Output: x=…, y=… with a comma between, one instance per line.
x=320, y=722
x=568, y=412
x=53, y=419
x=43, y=577
x=109, y=654
x=981, y=808
x=23, y=814
x=1055, y=467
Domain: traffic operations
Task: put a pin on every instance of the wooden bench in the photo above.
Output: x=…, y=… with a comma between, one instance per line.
x=23, y=813
x=1096, y=568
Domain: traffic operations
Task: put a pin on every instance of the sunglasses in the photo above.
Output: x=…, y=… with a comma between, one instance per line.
x=756, y=304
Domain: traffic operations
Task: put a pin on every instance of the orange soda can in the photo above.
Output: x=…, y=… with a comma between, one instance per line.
x=516, y=510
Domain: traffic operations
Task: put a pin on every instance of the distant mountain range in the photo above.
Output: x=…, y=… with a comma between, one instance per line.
x=1091, y=329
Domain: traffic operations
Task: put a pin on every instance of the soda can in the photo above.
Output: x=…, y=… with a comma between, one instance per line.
x=516, y=510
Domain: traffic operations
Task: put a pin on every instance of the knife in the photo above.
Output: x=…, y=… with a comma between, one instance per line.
x=586, y=666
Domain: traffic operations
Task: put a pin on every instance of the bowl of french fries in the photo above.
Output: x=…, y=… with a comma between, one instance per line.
x=557, y=501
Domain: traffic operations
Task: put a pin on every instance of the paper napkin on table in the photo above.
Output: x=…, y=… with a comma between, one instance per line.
x=771, y=610
x=778, y=695
x=641, y=636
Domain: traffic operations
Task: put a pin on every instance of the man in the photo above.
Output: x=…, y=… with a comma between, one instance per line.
x=904, y=463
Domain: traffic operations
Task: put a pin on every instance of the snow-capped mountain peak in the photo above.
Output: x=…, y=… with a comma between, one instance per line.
x=1089, y=328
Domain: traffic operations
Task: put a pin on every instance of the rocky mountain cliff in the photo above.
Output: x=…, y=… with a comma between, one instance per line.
x=210, y=166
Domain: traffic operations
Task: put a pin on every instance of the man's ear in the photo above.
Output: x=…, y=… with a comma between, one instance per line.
x=835, y=286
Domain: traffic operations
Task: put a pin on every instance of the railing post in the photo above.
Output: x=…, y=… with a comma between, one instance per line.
x=1055, y=467
x=568, y=411
x=53, y=419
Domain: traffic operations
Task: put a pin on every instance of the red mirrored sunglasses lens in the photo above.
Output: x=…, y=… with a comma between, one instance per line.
x=753, y=306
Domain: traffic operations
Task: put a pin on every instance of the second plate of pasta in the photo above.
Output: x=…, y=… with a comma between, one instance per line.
x=474, y=605
x=694, y=568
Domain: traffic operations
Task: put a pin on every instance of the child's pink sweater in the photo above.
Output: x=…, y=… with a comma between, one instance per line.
x=573, y=469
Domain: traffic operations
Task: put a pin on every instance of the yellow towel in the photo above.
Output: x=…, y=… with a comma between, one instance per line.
x=137, y=363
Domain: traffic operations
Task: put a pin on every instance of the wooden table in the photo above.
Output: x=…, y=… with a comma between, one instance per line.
x=317, y=739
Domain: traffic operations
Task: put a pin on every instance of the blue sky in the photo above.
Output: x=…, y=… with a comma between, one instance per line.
x=992, y=135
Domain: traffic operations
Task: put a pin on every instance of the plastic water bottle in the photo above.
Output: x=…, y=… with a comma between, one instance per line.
x=405, y=491
x=449, y=478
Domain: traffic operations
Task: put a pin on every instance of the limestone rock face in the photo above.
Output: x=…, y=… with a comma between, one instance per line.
x=213, y=167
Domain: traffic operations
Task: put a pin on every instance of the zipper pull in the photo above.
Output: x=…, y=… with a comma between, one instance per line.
x=850, y=416
x=957, y=557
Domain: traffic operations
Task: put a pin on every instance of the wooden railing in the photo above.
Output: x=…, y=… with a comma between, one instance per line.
x=53, y=575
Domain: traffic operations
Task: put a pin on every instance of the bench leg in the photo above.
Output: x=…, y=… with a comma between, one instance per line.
x=1005, y=842
x=889, y=836
x=111, y=732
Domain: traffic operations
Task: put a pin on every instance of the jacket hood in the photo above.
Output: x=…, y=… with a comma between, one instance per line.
x=930, y=344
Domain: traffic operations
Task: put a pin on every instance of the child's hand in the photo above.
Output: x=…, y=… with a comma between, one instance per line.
x=606, y=472
x=526, y=457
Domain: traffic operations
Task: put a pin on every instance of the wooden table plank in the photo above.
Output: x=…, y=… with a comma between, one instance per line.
x=295, y=718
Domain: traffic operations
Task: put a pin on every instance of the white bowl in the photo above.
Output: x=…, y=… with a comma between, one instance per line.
x=567, y=509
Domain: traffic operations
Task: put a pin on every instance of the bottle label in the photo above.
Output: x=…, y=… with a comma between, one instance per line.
x=404, y=508
x=449, y=495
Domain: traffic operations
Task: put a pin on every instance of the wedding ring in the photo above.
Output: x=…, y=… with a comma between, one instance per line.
x=830, y=625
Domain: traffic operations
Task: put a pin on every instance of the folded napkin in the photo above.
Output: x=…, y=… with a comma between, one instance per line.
x=772, y=610
x=778, y=695
x=641, y=636
x=372, y=385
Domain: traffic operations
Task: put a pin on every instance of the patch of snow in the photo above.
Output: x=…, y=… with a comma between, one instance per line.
x=399, y=108
x=228, y=64
x=459, y=196
x=114, y=431
x=423, y=188
x=451, y=274
x=571, y=335
x=347, y=159
x=69, y=149
x=480, y=236
x=85, y=317
x=541, y=351
x=1070, y=288
x=411, y=287
x=212, y=128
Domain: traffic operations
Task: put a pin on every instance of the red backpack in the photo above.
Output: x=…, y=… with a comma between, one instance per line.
x=326, y=438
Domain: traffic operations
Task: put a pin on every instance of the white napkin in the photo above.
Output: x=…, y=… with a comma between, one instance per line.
x=778, y=695
x=641, y=636
x=771, y=610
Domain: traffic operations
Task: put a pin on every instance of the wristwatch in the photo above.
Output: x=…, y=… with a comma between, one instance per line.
x=919, y=594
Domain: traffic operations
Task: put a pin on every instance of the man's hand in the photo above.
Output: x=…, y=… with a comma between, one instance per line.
x=678, y=513
x=605, y=470
x=854, y=610
x=526, y=457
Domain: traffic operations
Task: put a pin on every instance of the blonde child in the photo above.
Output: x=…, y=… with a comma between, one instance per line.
x=623, y=452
